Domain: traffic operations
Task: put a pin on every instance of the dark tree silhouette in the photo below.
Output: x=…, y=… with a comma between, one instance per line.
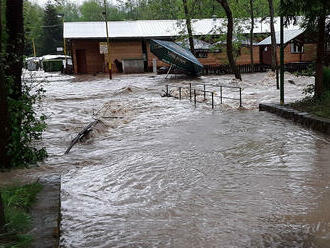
x=188, y=24
x=230, y=27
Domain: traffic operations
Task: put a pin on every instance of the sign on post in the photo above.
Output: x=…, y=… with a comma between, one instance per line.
x=103, y=48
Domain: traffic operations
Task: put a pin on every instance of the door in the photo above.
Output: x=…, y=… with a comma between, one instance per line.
x=266, y=55
x=81, y=61
x=145, y=55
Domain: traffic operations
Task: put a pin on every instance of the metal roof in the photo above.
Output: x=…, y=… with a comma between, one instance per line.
x=288, y=36
x=162, y=28
x=198, y=44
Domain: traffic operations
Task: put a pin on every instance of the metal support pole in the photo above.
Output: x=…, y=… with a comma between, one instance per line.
x=240, y=97
x=180, y=93
x=282, y=58
x=190, y=91
x=221, y=94
x=108, y=41
x=212, y=100
x=204, y=92
x=195, y=97
x=167, y=90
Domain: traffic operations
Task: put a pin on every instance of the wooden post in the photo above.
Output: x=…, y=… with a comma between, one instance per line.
x=190, y=91
x=195, y=97
x=212, y=100
x=204, y=92
x=221, y=94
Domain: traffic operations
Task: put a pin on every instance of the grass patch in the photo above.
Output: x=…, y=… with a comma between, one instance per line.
x=319, y=107
x=17, y=202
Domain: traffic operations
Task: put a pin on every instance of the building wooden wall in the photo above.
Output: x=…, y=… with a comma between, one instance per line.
x=221, y=58
x=94, y=60
x=132, y=49
x=308, y=55
x=125, y=49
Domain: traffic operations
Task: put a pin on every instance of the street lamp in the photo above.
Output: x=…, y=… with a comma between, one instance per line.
x=108, y=42
x=64, y=42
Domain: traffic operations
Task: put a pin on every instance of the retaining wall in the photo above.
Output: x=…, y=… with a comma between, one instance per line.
x=303, y=118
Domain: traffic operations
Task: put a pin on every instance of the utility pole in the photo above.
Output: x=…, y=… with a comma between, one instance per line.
x=108, y=42
x=64, y=41
x=282, y=58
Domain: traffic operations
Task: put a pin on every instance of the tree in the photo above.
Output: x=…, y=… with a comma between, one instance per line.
x=52, y=30
x=91, y=10
x=273, y=36
x=230, y=27
x=315, y=12
x=188, y=24
x=251, y=34
x=33, y=15
x=4, y=115
x=14, y=48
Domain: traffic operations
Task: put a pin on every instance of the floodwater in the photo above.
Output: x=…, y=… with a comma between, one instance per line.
x=158, y=172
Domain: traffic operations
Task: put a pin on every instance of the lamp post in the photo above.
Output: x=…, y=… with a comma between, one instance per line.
x=108, y=42
x=282, y=57
x=64, y=42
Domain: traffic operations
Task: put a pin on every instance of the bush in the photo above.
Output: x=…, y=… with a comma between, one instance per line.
x=27, y=125
x=326, y=78
x=17, y=202
x=52, y=65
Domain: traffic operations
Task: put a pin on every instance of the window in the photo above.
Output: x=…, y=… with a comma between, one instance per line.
x=297, y=48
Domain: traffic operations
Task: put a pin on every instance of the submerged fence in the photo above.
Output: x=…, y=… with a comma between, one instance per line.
x=193, y=93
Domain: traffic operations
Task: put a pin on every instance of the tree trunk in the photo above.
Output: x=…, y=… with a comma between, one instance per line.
x=4, y=115
x=4, y=123
x=188, y=23
x=320, y=55
x=15, y=46
x=272, y=35
x=251, y=34
x=230, y=27
x=273, y=40
x=2, y=216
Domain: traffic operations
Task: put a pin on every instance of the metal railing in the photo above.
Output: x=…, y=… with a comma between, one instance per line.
x=193, y=93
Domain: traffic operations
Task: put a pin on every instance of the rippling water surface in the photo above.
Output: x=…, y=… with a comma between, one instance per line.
x=164, y=174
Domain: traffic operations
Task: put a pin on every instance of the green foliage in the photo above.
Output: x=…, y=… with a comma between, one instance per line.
x=317, y=106
x=91, y=10
x=18, y=201
x=326, y=78
x=52, y=30
x=33, y=17
x=309, y=72
x=26, y=125
x=52, y=65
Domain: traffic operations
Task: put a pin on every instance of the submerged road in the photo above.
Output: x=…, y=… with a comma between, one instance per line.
x=165, y=174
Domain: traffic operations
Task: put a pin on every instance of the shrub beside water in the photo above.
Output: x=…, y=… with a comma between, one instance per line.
x=17, y=202
x=326, y=78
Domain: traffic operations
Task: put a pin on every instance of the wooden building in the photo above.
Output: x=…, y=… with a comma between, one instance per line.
x=299, y=47
x=130, y=40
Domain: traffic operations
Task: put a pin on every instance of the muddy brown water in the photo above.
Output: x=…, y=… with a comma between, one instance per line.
x=165, y=174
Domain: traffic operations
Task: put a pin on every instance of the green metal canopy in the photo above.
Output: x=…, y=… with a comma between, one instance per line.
x=173, y=54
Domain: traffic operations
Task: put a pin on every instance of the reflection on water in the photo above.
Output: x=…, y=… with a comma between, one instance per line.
x=165, y=174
